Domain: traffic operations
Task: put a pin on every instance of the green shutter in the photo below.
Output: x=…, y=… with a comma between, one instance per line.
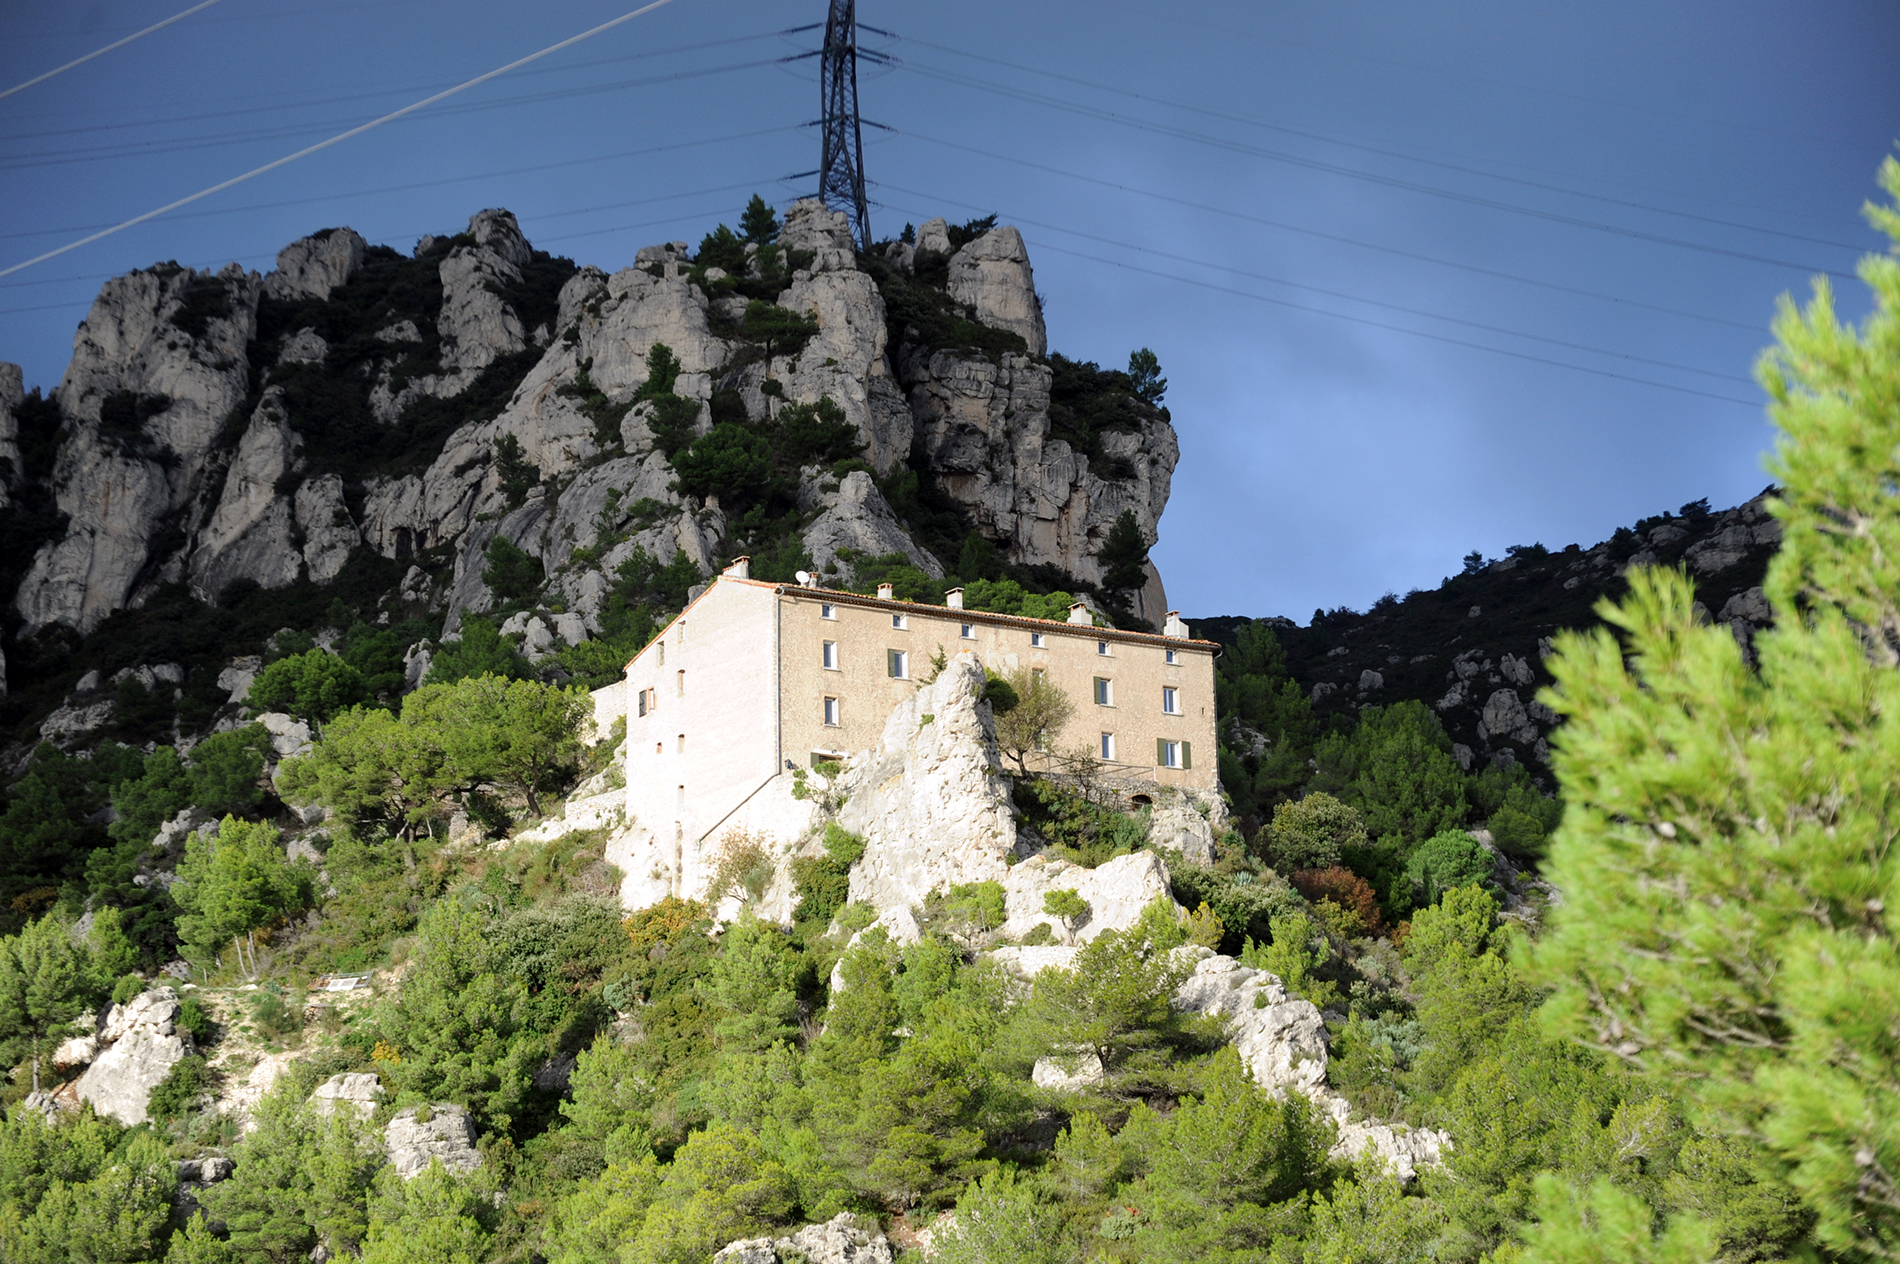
x=1187, y=754
x=1161, y=752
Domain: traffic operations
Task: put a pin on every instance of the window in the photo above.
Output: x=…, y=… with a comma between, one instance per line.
x=680, y=800
x=1101, y=647
x=828, y=611
x=900, y=621
x=831, y=711
x=643, y=702
x=1035, y=675
x=659, y=748
x=897, y=663
x=660, y=649
x=831, y=655
x=1174, y=754
x=968, y=632
x=1035, y=639
x=682, y=684
x=1170, y=700
x=1173, y=657
x=681, y=748
x=1104, y=692
x=1108, y=746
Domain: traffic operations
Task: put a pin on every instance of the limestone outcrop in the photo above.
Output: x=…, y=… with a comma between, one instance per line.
x=839, y=1240
x=991, y=276
x=142, y=1043
x=444, y=1133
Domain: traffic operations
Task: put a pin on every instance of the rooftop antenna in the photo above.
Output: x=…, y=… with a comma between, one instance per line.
x=841, y=172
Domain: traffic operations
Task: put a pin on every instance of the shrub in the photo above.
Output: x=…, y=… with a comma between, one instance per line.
x=1313, y=833
x=1344, y=888
x=311, y=686
x=1450, y=859
x=180, y=1091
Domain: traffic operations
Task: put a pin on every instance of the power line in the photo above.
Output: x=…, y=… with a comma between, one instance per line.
x=1413, y=186
x=1325, y=236
x=1351, y=298
x=341, y=136
x=1379, y=324
x=59, y=158
x=1372, y=149
x=430, y=184
x=101, y=52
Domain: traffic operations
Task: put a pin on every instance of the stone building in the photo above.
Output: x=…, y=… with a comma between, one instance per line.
x=754, y=684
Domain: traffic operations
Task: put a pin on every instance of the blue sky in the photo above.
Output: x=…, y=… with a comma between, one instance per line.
x=1423, y=278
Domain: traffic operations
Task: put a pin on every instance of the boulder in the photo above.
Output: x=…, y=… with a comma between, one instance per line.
x=77, y=1052
x=1505, y=717
x=839, y=1240
x=1282, y=1039
x=361, y=1092
x=288, y=735
x=143, y=1047
x=448, y=1134
x=1116, y=893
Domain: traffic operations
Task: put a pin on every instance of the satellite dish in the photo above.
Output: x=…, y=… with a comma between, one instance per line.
x=804, y=579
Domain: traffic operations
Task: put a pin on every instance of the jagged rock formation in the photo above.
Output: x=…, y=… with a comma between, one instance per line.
x=234, y=428
x=142, y=1043
x=837, y=1241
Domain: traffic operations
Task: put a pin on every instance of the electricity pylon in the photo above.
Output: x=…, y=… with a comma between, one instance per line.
x=841, y=174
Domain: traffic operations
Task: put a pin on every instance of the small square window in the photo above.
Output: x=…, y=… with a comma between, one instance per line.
x=1169, y=754
x=1174, y=656
x=900, y=621
x=1035, y=675
x=1101, y=647
x=682, y=744
x=897, y=663
x=968, y=632
x=1170, y=700
x=831, y=711
x=828, y=611
x=1035, y=638
x=1104, y=692
x=831, y=655
x=1108, y=746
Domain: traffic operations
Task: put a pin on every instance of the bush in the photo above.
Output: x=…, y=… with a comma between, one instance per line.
x=192, y=1018
x=1313, y=833
x=311, y=686
x=1343, y=888
x=1450, y=859
x=180, y=1091
x=227, y=770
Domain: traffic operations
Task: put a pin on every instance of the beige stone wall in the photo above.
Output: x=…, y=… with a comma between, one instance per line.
x=1136, y=667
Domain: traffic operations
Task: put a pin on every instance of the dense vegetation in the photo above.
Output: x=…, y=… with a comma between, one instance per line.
x=1691, y=1058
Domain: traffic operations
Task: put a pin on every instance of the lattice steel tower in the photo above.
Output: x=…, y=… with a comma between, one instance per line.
x=841, y=175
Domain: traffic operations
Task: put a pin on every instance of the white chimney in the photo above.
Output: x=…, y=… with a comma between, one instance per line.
x=741, y=568
x=953, y=598
x=1175, y=626
x=884, y=592
x=1079, y=613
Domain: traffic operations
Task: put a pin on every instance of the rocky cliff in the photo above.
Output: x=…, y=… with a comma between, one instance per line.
x=362, y=416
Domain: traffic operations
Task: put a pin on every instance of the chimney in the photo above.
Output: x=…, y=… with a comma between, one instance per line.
x=1079, y=613
x=741, y=568
x=884, y=593
x=953, y=598
x=1175, y=626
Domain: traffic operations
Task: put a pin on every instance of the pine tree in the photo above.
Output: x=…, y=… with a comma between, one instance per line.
x=1124, y=555
x=41, y=981
x=759, y=224
x=1732, y=892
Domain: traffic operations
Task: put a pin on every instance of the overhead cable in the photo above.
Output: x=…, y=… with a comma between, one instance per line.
x=1314, y=164
x=340, y=137
x=101, y=52
x=1325, y=236
x=1376, y=149
x=1351, y=298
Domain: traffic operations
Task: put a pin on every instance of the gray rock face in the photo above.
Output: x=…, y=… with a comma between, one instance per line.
x=837, y=1241
x=856, y=516
x=931, y=801
x=1115, y=891
x=1282, y=1039
x=249, y=536
x=313, y=266
x=113, y=477
x=12, y=393
x=447, y=1135
x=992, y=277
x=1505, y=716
x=476, y=325
x=142, y=1046
x=361, y=1093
